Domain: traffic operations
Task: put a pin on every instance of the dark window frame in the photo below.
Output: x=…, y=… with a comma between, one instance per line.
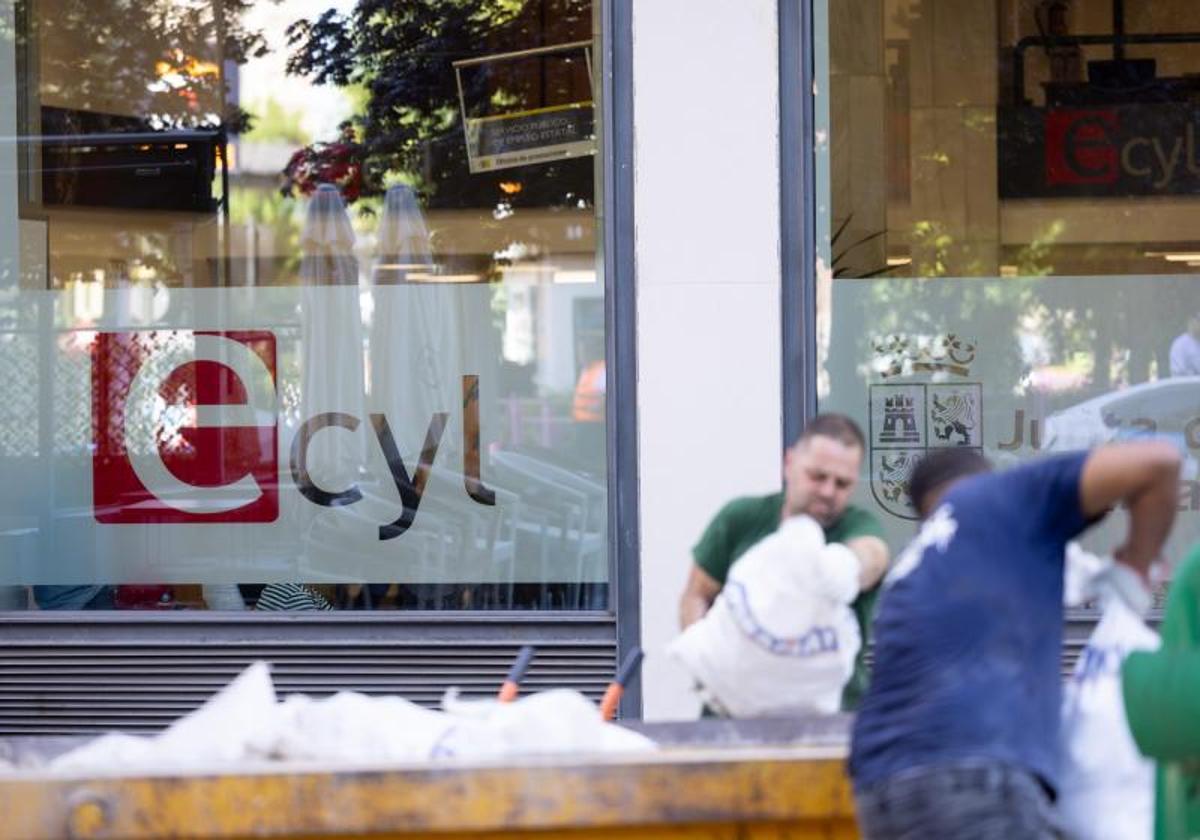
x=797, y=194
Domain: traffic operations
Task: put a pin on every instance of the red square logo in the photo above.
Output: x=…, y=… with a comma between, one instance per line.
x=1080, y=148
x=185, y=427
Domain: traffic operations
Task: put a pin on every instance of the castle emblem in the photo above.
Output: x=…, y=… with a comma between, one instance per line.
x=899, y=420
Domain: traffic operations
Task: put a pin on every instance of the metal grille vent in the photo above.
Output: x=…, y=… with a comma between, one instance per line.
x=1077, y=631
x=50, y=688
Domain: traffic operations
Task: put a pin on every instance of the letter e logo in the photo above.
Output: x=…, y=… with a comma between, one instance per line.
x=1080, y=147
x=185, y=427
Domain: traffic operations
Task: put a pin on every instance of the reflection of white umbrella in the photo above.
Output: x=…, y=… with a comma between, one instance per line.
x=416, y=334
x=402, y=241
x=332, y=335
x=327, y=241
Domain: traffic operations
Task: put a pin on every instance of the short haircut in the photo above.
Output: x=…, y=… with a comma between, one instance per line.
x=837, y=426
x=940, y=467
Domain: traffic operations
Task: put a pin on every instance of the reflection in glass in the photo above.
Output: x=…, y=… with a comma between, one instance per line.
x=1005, y=199
x=437, y=333
x=331, y=336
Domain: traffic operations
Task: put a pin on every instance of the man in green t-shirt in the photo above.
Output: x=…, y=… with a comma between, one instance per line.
x=820, y=471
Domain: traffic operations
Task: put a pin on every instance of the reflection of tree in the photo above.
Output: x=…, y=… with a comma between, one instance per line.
x=157, y=60
x=1122, y=330
x=1123, y=327
x=274, y=123
x=1113, y=332
x=937, y=307
x=256, y=202
x=932, y=245
x=339, y=163
x=1033, y=260
x=267, y=210
x=402, y=54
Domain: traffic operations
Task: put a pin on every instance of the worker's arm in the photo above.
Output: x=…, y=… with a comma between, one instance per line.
x=698, y=596
x=872, y=554
x=1144, y=476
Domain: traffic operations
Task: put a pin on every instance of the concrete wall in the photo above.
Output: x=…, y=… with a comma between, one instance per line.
x=706, y=125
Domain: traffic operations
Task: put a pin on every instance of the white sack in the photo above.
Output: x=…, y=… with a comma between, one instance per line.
x=1083, y=573
x=781, y=637
x=1106, y=787
x=1088, y=577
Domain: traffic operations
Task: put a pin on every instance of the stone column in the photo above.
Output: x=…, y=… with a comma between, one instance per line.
x=858, y=119
x=955, y=205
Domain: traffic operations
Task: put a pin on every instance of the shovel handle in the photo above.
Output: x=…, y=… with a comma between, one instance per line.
x=616, y=689
x=512, y=682
x=611, y=700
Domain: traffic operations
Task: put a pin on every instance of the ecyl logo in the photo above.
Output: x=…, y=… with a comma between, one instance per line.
x=1105, y=146
x=1079, y=148
x=186, y=427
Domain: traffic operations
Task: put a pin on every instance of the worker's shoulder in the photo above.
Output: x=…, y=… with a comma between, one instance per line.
x=752, y=508
x=855, y=522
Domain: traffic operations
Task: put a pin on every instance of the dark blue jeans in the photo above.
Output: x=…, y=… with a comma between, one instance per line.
x=975, y=800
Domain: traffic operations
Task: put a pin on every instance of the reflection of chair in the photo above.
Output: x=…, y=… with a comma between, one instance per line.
x=535, y=421
x=561, y=512
x=547, y=528
x=478, y=541
x=454, y=541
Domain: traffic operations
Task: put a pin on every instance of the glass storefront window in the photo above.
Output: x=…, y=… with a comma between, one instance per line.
x=1005, y=196
x=301, y=306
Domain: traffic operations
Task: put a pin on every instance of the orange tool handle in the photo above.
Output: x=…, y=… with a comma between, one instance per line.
x=615, y=690
x=612, y=699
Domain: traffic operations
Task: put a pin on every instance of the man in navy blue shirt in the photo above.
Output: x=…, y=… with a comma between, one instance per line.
x=958, y=733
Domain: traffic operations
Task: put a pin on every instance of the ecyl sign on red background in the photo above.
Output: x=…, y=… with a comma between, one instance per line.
x=1129, y=150
x=186, y=431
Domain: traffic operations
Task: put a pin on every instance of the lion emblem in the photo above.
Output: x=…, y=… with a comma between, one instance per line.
x=954, y=416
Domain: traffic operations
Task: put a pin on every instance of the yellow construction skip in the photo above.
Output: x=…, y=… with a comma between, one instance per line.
x=755, y=793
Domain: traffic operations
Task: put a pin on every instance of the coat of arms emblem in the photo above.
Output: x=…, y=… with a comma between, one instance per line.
x=907, y=420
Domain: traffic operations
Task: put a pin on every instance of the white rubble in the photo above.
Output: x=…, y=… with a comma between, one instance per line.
x=244, y=723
